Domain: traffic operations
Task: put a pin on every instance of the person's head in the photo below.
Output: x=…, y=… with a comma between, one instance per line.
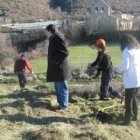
x=50, y=30
x=22, y=55
x=129, y=41
x=100, y=45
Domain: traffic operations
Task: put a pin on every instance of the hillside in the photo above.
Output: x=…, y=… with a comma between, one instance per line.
x=82, y=7
x=29, y=10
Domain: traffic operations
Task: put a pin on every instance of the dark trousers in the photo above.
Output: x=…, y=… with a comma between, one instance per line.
x=22, y=79
x=131, y=104
x=106, y=86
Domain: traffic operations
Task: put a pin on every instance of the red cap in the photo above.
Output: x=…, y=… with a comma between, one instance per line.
x=100, y=42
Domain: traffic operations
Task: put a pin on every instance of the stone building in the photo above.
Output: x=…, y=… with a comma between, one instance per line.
x=104, y=19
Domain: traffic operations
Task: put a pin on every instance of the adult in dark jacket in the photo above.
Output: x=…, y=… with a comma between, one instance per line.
x=58, y=67
x=104, y=64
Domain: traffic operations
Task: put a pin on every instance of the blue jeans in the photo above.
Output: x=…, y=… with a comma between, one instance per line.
x=62, y=93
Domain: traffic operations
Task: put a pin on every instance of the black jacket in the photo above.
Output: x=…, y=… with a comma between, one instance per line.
x=103, y=63
x=58, y=66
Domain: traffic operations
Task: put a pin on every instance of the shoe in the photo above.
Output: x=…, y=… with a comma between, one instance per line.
x=125, y=123
x=59, y=109
x=104, y=98
x=134, y=119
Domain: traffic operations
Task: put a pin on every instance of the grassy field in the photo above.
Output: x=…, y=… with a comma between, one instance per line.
x=80, y=56
x=28, y=114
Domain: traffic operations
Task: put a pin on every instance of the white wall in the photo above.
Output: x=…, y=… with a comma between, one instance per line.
x=100, y=8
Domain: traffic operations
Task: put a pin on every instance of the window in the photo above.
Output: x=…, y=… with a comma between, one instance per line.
x=96, y=10
x=102, y=9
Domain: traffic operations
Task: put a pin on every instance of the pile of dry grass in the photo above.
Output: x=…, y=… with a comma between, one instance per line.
x=46, y=134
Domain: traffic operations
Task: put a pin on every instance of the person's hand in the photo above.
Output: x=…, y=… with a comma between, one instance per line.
x=55, y=63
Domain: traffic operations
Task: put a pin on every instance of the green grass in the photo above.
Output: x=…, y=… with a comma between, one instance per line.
x=27, y=115
x=80, y=56
x=39, y=65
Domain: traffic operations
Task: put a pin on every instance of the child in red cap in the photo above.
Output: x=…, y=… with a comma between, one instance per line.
x=103, y=63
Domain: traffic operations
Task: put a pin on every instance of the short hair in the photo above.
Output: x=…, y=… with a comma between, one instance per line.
x=22, y=55
x=51, y=28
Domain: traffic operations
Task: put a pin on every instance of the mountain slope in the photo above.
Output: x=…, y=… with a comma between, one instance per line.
x=27, y=9
x=21, y=10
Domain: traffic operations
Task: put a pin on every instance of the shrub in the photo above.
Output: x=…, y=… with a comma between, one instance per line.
x=7, y=53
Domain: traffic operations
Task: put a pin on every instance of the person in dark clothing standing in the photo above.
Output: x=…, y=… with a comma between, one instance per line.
x=58, y=66
x=103, y=64
x=20, y=66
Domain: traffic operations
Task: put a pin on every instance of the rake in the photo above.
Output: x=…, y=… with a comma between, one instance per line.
x=36, y=79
